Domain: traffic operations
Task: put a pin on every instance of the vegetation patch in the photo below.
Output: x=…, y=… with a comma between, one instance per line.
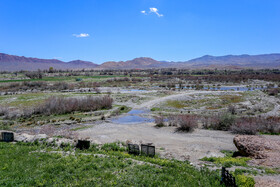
x=228, y=160
x=229, y=99
x=35, y=165
x=175, y=104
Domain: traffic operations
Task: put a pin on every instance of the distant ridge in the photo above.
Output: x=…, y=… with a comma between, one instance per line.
x=265, y=60
x=142, y=63
x=17, y=63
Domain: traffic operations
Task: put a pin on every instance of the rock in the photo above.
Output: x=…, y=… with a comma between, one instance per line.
x=264, y=150
x=60, y=142
x=29, y=138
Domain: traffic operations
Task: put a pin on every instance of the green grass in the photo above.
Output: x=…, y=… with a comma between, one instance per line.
x=156, y=109
x=175, y=104
x=124, y=109
x=81, y=128
x=244, y=180
x=228, y=160
x=23, y=165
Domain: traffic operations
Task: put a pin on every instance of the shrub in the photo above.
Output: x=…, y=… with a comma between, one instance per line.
x=226, y=120
x=222, y=121
x=3, y=111
x=245, y=126
x=62, y=86
x=246, y=181
x=159, y=121
x=252, y=125
x=273, y=91
x=231, y=109
x=61, y=105
x=185, y=123
x=34, y=75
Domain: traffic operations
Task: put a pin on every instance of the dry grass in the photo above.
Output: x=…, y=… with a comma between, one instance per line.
x=228, y=99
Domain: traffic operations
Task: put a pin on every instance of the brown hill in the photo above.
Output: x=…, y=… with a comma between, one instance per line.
x=17, y=63
x=141, y=63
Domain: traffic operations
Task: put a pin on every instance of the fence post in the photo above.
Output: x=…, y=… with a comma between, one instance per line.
x=227, y=179
x=223, y=174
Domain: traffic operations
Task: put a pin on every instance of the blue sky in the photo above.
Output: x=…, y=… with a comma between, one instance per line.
x=104, y=30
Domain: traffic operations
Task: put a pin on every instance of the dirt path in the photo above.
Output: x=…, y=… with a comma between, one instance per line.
x=150, y=104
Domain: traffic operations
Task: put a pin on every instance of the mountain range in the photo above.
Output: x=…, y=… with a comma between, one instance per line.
x=17, y=63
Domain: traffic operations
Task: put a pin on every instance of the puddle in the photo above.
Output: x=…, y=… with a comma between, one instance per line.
x=132, y=117
x=133, y=112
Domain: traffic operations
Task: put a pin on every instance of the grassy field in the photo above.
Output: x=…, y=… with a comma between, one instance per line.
x=35, y=165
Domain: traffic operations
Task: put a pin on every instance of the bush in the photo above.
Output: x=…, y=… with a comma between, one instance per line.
x=226, y=121
x=246, y=181
x=159, y=121
x=245, y=126
x=61, y=105
x=221, y=121
x=185, y=123
x=62, y=86
x=34, y=75
x=273, y=91
x=3, y=111
x=253, y=125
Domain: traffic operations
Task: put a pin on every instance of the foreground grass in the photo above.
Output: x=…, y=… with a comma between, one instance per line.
x=24, y=165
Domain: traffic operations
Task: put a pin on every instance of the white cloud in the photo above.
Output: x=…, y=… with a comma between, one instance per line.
x=155, y=10
x=144, y=12
x=82, y=35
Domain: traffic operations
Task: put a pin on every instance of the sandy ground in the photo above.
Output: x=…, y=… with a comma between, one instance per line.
x=182, y=146
x=170, y=144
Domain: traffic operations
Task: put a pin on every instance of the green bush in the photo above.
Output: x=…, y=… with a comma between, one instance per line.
x=244, y=181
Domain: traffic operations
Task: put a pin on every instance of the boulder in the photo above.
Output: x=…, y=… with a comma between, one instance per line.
x=264, y=150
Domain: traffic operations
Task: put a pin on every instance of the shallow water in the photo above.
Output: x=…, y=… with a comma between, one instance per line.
x=132, y=117
x=133, y=112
